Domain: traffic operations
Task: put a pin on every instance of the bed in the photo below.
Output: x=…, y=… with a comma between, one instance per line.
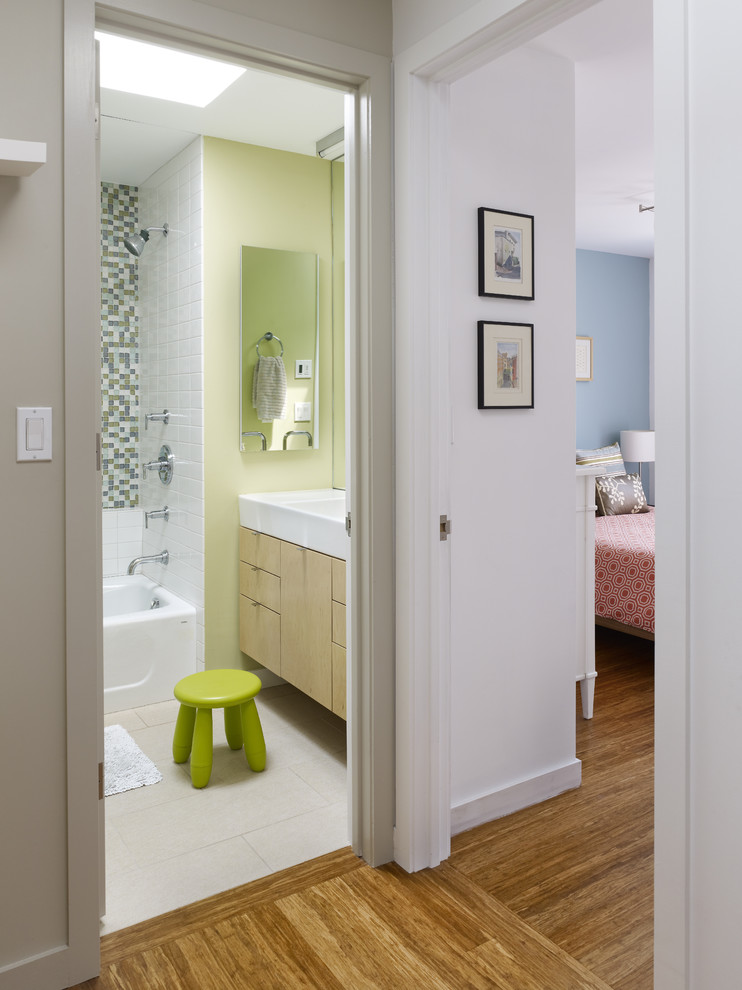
x=615, y=558
x=624, y=573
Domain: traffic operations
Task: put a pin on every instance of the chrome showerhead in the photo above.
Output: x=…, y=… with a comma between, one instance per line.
x=136, y=242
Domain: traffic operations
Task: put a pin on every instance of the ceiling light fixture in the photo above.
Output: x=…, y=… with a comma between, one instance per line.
x=332, y=147
x=163, y=73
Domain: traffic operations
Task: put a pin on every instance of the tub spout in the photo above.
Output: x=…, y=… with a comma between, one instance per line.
x=155, y=558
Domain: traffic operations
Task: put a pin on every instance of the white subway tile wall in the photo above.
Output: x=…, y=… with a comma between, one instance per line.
x=171, y=372
x=122, y=539
x=169, y=311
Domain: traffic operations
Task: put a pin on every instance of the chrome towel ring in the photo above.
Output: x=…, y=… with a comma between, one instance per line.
x=269, y=336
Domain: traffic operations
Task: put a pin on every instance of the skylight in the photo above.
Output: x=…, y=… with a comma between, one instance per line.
x=164, y=73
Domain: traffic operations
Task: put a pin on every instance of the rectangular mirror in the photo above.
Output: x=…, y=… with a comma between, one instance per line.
x=279, y=322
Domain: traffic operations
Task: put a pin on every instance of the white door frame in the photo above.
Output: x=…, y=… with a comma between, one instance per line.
x=422, y=77
x=488, y=29
x=371, y=470
x=673, y=421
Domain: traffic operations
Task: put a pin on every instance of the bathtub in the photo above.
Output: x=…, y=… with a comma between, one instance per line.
x=145, y=650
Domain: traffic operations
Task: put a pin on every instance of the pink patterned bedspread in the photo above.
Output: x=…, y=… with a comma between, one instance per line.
x=624, y=569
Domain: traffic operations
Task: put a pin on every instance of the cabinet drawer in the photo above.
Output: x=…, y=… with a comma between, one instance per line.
x=261, y=586
x=338, y=580
x=338, y=624
x=261, y=550
x=260, y=634
x=338, y=680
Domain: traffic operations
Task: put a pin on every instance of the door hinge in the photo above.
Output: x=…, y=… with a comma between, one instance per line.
x=445, y=527
x=97, y=452
x=100, y=782
x=347, y=523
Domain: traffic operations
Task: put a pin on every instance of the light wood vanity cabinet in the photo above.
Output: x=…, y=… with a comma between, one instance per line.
x=260, y=597
x=338, y=637
x=306, y=621
x=292, y=615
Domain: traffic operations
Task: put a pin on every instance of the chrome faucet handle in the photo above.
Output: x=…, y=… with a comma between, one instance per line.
x=156, y=514
x=163, y=465
x=255, y=433
x=163, y=417
x=294, y=433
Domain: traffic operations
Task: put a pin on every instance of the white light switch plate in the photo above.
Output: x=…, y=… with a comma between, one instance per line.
x=302, y=412
x=33, y=433
x=303, y=368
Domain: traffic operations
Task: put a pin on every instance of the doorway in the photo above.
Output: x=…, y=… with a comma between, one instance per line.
x=171, y=360
x=370, y=466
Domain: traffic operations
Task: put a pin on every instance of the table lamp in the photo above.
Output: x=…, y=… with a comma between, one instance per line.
x=637, y=447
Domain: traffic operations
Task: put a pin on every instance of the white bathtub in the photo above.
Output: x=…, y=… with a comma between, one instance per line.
x=145, y=650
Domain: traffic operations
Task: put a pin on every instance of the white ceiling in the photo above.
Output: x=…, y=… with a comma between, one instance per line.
x=139, y=133
x=610, y=44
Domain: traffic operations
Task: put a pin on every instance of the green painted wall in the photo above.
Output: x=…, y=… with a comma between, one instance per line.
x=338, y=303
x=262, y=198
x=279, y=296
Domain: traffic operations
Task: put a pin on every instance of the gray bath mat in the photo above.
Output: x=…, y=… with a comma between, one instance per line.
x=125, y=765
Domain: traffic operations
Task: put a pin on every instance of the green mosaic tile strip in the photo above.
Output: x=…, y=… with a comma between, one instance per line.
x=119, y=348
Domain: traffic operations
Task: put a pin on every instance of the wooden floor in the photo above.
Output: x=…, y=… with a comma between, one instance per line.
x=579, y=868
x=555, y=897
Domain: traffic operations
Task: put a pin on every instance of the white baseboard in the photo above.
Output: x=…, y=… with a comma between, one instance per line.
x=512, y=798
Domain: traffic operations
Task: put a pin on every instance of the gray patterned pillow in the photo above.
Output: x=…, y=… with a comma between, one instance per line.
x=620, y=494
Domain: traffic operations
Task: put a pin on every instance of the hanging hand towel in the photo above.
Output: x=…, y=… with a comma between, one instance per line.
x=269, y=389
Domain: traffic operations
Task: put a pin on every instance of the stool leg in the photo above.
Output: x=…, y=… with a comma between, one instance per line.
x=252, y=732
x=233, y=726
x=202, y=748
x=183, y=735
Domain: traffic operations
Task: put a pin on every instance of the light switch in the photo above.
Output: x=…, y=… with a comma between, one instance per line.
x=33, y=433
x=303, y=368
x=302, y=412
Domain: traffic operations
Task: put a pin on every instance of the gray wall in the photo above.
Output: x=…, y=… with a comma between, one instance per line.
x=365, y=24
x=32, y=595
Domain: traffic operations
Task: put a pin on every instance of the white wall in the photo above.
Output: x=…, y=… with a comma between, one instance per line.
x=698, y=407
x=171, y=373
x=513, y=564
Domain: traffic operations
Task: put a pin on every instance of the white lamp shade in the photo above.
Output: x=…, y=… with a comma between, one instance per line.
x=637, y=446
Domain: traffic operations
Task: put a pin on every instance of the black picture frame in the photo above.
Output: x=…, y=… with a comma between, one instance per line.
x=505, y=254
x=504, y=365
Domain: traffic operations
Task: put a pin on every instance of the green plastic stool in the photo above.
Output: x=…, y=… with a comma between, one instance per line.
x=199, y=694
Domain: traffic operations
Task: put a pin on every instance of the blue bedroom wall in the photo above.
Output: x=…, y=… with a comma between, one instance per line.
x=613, y=309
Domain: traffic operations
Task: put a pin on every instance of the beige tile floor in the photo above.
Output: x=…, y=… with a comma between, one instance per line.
x=169, y=844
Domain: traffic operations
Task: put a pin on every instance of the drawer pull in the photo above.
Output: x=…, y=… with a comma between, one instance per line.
x=254, y=604
x=253, y=569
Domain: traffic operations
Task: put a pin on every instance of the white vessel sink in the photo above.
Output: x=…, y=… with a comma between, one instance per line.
x=313, y=519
